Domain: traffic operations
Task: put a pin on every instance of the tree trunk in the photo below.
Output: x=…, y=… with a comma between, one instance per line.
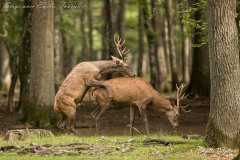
x=140, y=42
x=224, y=120
x=90, y=39
x=200, y=76
x=151, y=40
x=83, y=40
x=57, y=48
x=5, y=76
x=104, y=35
x=158, y=48
x=39, y=111
x=120, y=18
x=185, y=45
x=109, y=25
x=25, y=59
x=171, y=43
x=167, y=53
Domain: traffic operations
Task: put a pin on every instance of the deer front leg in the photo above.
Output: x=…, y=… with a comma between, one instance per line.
x=132, y=116
x=95, y=83
x=145, y=119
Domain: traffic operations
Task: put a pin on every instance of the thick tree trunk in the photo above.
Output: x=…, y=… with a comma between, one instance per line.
x=39, y=111
x=140, y=42
x=224, y=120
x=25, y=59
x=171, y=43
x=5, y=76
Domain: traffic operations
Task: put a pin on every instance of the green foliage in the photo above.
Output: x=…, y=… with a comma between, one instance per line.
x=193, y=25
x=11, y=23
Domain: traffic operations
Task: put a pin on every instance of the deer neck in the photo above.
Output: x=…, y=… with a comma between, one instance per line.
x=105, y=65
x=159, y=103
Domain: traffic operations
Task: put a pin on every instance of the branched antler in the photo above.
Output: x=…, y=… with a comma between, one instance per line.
x=119, y=43
x=180, y=97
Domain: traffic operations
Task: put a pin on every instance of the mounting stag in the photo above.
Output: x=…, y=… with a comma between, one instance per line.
x=80, y=79
x=136, y=92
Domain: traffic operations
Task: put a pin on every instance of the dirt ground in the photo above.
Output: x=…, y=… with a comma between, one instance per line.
x=116, y=119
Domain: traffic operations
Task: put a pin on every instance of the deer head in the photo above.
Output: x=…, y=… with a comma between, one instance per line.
x=121, y=64
x=173, y=113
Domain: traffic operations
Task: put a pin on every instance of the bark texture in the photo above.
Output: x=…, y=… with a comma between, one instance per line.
x=42, y=66
x=5, y=76
x=224, y=120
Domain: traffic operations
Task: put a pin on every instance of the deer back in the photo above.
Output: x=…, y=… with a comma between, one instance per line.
x=125, y=90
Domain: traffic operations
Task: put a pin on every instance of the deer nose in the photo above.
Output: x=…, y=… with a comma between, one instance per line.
x=175, y=126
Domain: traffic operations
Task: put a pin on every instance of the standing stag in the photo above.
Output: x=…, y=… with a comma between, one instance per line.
x=136, y=92
x=80, y=79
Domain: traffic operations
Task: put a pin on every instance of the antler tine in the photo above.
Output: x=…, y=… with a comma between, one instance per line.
x=181, y=88
x=115, y=40
x=119, y=43
x=124, y=49
x=183, y=108
x=184, y=96
x=181, y=96
x=123, y=42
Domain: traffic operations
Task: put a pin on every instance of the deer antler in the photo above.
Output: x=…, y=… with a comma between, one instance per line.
x=119, y=43
x=180, y=97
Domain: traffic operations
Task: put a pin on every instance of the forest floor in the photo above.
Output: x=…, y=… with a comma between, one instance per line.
x=115, y=120
x=115, y=143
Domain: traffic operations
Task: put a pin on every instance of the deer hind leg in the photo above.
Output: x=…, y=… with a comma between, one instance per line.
x=62, y=123
x=94, y=83
x=97, y=117
x=71, y=120
x=132, y=116
x=95, y=112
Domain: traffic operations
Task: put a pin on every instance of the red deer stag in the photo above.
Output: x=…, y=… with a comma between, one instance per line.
x=136, y=92
x=80, y=79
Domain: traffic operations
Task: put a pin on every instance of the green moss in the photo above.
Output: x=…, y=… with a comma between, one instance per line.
x=215, y=138
x=40, y=116
x=112, y=147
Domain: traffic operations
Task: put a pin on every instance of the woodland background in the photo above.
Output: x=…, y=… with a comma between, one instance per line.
x=168, y=41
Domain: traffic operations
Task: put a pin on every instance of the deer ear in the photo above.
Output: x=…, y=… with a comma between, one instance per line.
x=118, y=61
x=115, y=58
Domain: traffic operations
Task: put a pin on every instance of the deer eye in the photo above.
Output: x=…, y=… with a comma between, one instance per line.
x=118, y=63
